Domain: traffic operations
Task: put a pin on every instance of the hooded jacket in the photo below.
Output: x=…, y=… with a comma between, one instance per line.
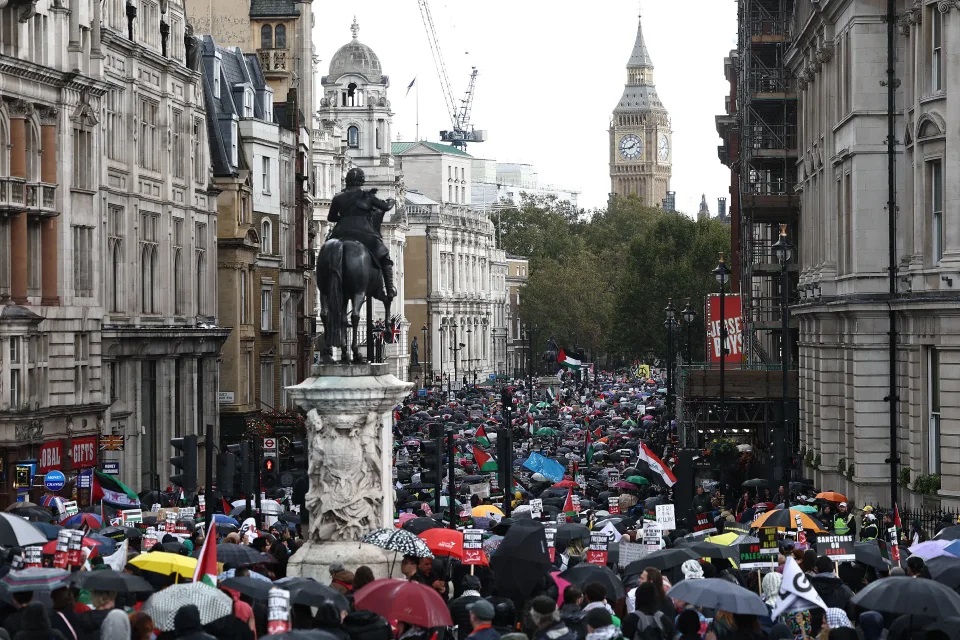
x=834, y=593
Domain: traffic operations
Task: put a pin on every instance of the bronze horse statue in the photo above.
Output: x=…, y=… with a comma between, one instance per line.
x=348, y=273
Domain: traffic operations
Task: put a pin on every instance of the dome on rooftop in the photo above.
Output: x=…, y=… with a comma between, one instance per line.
x=355, y=57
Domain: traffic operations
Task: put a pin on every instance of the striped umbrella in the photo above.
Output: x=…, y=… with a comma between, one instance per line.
x=35, y=579
x=52, y=501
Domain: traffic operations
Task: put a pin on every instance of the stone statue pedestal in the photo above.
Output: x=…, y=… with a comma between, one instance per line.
x=350, y=448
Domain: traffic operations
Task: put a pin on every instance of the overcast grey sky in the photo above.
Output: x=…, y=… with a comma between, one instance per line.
x=551, y=73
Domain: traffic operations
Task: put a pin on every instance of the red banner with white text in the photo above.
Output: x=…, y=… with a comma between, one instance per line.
x=733, y=320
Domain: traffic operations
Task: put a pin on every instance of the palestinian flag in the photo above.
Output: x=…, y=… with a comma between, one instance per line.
x=206, y=570
x=657, y=465
x=588, y=447
x=113, y=493
x=566, y=361
x=481, y=437
x=568, y=504
x=484, y=460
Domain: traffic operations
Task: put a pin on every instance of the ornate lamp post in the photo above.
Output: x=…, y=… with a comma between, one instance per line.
x=427, y=365
x=689, y=315
x=670, y=321
x=783, y=253
x=721, y=273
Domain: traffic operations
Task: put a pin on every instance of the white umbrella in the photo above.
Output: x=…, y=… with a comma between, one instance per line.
x=17, y=532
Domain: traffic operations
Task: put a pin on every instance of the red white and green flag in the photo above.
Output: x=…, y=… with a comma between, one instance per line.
x=206, y=571
x=482, y=438
x=113, y=493
x=484, y=460
x=588, y=447
x=567, y=361
x=568, y=504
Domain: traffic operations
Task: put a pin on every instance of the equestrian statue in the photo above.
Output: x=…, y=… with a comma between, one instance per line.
x=354, y=265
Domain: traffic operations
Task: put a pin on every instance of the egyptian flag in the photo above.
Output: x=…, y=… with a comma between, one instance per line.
x=657, y=465
x=484, y=460
x=206, y=570
x=481, y=437
x=566, y=361
x=113, y=493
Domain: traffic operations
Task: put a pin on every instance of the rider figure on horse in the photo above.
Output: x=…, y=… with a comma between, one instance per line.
x=353, y=211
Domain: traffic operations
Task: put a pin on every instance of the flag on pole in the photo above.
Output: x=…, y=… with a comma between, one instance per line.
x=482, y=438
x=566, y=361
x=484, y=460
x=118, y=559
x=657, y=465
x=206, y=570
x=568, y=504
x=410, y=86
x=113, y=493
x=796, y=592
x=227, y=507
x=588, y=447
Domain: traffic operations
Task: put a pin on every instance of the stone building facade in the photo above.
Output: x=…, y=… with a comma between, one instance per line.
x=839, y=58
x=109, y=325
x=455, y=276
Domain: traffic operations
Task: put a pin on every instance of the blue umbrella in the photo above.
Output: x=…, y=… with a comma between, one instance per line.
x=221, y=518
x=107, y=545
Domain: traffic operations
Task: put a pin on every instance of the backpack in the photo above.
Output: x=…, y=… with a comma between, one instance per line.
x=649, y=627
x=366, y=625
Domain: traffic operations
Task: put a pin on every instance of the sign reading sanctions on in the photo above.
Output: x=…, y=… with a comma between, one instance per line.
x=837, y=548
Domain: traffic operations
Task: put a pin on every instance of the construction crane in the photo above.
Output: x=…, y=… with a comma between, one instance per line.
x=462, y=132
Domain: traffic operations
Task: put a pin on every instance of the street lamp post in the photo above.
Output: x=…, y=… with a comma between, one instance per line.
x=669, y=323
x=721, y=273
x=426, y=355
x=443, y=344
x=469, y=368
x=689, y=315
x=783, y=253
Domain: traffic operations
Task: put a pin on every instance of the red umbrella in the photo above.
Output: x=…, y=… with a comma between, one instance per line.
x=565, y=484
x=50, y=548
x=623, y=484
x=447, y=542
x=402, y=601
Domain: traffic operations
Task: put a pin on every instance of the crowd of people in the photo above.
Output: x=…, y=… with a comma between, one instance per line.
x=481, y=560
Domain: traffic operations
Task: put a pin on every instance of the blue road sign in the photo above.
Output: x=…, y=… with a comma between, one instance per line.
x=492, y=376
x=422, y=393
x=54, y=480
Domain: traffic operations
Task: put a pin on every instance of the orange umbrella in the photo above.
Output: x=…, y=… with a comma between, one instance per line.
x=831, y=496
x=781, y=519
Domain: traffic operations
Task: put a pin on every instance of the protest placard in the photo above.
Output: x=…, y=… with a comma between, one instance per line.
x=613, y=477
x=551, y=535
x=536, y=508
x=630, y=552
x=704, y=525
x=481, y=490
x=752, y=558
x=613, y=505
x=473, y=547
x=769, y=544
x=278, y=611
x=666, y=517
x=599, y=544
x=837, y=548
x=70, y=508
x=131, y=517
x=32, y=557
x=74, y=557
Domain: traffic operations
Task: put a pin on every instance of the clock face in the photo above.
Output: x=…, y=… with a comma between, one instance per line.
x=631, y=147
x=663, y=146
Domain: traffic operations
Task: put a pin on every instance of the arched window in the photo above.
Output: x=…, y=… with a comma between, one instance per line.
x=116, y=276
x=266, y=37
x=352, y=95
x=280, y=36
x=147, y=272
x=201, y=274
x=178, y=284
x=353, y=137
x=266, y=236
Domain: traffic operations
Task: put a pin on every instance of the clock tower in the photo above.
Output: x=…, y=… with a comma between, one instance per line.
x=641, y=149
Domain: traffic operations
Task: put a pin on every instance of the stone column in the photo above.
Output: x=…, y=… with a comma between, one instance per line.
x=19, y=111
x=350, y=441
x=48, y=230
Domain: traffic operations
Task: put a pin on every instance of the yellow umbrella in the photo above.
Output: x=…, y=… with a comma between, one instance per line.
x=723, y=539
x=167, y=564
x=486, y=511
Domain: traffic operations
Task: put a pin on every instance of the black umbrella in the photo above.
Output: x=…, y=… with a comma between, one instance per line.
x=755, y=483
x=719, y=594
x=945, y=570
x=235, y=554
x=251, y=587
x=663, y=560
x=567, y=533
x=110, y=580
x=583, y=574
x=713, y=550
x=900, y=594
x=33, y=513
x=521, y=561
x=309, y=592
x=949, y=533
x=121, y=533
x=416, y=526
x=868, y=553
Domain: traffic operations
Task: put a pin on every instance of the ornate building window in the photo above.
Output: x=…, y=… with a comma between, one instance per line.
x=149, y=135
x=266, y=37
x=82, y=261
x=114, y=137
x=178, y=284
x=199, y=145
x=266, y=236
x=178, y=152
x=936, y=49
x=115, y=251
x=280, y=36
x=935, y=181
x=243, y=296
x=200, y=257
x=149, y=263
x=266, y=308
x=353, y=137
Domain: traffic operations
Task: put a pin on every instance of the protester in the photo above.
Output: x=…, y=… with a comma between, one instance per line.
x=460, y=606
x=481, y=621
x=546, y=621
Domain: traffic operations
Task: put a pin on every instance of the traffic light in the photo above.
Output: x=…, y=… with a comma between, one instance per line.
x=270, y=478
x=227, y=472
x=247, y=476
x=298, y=454
x=429, y=463
x=184, y=465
